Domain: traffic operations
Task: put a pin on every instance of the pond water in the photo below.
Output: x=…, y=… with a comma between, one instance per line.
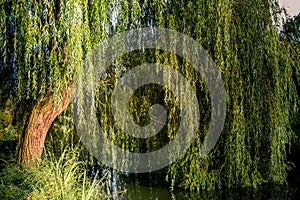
x=154, y=187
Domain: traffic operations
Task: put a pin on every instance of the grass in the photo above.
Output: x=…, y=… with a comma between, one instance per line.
x=15, y=183
x=56, y=178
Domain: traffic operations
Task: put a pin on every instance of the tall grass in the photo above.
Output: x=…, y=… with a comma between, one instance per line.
x=63, y=178
x=66, y=178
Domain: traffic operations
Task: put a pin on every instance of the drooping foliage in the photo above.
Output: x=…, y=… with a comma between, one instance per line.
x=257, y=73
x=291, y=29
x=51, y=39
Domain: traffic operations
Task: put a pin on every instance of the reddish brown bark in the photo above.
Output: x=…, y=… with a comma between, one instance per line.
x=37, y=125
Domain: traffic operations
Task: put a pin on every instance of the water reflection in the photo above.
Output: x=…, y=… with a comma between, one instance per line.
x=137, y=192
x=152, y=186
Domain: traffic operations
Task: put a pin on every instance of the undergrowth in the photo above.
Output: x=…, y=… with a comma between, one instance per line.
x=64, y=178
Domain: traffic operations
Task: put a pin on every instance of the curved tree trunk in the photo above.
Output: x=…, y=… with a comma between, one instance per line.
x=37, y=125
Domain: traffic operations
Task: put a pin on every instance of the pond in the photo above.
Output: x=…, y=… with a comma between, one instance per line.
x=152, y=186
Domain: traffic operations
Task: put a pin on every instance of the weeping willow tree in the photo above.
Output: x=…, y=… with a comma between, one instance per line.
x=48, y=41
x=51, y=39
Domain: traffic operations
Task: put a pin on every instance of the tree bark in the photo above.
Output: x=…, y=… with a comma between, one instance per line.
x=37, y=125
